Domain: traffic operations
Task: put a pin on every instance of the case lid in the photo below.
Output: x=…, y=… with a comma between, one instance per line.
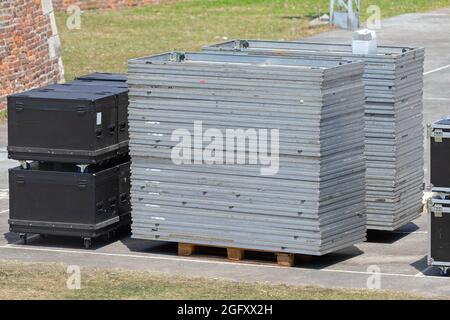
x=443, y=123
x=49, y=94
x=105, y=83
x=105, y=76
x=88, y=87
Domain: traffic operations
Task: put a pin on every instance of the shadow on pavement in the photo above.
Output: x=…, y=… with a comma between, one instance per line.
x=11, y=237
x=422, y=266
x=150, y=246
x=379, y=236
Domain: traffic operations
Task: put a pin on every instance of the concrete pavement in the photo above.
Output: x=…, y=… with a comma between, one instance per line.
x=399, y=257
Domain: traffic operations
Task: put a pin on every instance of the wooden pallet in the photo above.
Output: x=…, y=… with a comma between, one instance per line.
x=237, y=254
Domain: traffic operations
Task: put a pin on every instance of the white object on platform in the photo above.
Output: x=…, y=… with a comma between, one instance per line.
x=364, y=42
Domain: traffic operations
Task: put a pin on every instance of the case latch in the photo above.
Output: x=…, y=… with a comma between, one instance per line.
x=437, y=210
x=241, y=44
x=438, y=135
x=177, y=56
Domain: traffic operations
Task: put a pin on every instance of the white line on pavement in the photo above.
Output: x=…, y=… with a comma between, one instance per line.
x=4, y=211
x=372, y=273
x=4, y=194
x=158, y=257
x=410, y=232
x=437, y=99
x=436, y=70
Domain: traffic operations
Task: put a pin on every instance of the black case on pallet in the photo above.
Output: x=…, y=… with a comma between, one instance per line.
x=440, y=153
x=66, y=126
x=56, y=199
x=439, y=233
x=104, y=76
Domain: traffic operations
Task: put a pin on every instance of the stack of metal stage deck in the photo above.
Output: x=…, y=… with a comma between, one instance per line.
x=393, y=115
x=313, y=204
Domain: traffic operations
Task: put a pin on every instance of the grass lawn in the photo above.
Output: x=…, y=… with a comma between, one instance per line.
x=3, y=114
x=48, y=281
x=108, y=38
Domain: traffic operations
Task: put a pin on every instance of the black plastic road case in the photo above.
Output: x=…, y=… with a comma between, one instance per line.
x=439, y=231
x=104, y=76
x=56, y=199
x=65, y=126
x=439, y=133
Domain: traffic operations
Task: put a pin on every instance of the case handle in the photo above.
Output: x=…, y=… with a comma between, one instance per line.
x=99, y=207
x=112, y=129
x=98, y=133
x=124, y=198
x=112, y=202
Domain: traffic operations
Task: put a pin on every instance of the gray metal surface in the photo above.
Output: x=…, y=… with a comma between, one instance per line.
x=313, y=205
x=393, y=81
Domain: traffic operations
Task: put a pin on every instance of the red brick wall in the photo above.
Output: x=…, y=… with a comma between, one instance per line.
x=25, y=57
x=60, y=5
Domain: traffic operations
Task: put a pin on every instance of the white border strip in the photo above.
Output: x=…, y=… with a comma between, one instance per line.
x=436, y=70
x=437, y=99
x=253, y=265
x=409, y=232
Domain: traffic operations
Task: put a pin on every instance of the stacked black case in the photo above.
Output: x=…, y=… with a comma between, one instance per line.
x=76, y=135
x=439, y=206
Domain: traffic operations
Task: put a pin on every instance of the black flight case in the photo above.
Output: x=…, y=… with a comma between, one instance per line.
x=439, y=205
x=440, y=153
x=58, y=199
x=439, y=232
x=83, y=127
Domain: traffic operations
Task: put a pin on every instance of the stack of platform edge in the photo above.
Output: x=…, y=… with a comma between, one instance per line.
x=312, y=202
x=393, y=121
